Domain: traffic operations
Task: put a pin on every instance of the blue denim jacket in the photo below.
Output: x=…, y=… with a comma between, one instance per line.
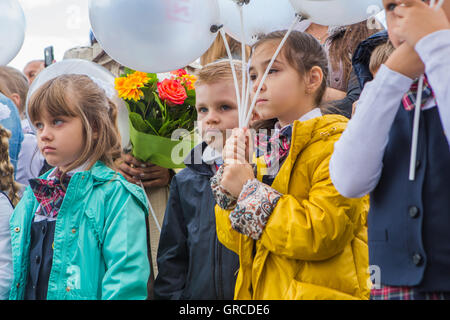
x=12, y=123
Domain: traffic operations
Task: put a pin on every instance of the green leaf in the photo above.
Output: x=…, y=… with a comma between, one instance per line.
x=138, y=123
x=127, y=71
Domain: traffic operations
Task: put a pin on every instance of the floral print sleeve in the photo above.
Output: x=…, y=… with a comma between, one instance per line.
x=254, y=206
x=223, y=198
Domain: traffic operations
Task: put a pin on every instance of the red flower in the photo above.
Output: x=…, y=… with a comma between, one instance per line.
x=172, y=92
x=179, y=73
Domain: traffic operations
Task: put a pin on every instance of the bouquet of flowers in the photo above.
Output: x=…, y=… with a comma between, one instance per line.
x=157, y=110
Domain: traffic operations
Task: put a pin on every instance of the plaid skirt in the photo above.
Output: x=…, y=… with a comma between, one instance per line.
x=406, y=293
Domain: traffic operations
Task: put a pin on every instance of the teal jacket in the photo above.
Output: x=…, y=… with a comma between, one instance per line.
x=100, y=243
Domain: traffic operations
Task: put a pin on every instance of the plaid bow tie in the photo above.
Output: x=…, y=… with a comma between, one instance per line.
x=409, y=99
x=50, y=194
x=274, y=148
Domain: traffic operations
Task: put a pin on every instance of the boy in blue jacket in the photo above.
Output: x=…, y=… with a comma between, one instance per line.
x=192, y=263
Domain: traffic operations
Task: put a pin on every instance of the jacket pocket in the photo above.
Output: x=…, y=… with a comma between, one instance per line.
x=93, y=226
x=306, y=291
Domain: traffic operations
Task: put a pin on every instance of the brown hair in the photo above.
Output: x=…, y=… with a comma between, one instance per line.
x=217, y=50
x=75, y=95
x=7, y=183
x=16, y=82
x=344, y=43
x=380, y=55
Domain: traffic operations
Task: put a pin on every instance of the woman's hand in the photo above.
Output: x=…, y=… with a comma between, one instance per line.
x=149, y=174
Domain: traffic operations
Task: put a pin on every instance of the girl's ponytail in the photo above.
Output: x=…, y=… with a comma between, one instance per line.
x=7, y=183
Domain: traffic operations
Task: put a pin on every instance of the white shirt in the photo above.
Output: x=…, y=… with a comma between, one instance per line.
x=6, y=267
x=357, y=161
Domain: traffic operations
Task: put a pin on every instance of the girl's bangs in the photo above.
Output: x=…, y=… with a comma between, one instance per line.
x=51, y=99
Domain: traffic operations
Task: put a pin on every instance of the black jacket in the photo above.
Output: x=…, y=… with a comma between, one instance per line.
x=192, y=263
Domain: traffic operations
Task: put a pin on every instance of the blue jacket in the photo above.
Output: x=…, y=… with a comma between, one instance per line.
x=361, y=57
x=100, y=241
x=12, y=123
x=192, y=263
x=409, y=221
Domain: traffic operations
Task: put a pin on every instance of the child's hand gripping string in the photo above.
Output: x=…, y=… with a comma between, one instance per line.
x=417, y=20
x=237, y=155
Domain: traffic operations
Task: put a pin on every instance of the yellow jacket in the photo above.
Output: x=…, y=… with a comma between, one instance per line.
x=314, y=245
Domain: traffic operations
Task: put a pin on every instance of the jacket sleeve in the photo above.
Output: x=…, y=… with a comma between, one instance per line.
x=229, y=237
x=173, y=256
x=125, y=250
x=316, y=228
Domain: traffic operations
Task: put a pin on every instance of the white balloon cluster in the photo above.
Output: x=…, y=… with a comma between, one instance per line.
x=12, y=30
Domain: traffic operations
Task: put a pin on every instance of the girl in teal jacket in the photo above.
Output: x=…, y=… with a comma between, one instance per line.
x=79, y=231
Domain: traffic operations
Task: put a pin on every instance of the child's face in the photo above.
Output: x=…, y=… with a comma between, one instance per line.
x=284, y=90
x=391, y=18
x=217, y=111
x=60, y=139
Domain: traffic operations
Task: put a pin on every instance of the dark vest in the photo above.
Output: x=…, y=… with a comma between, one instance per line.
x=41, y=257
x=409, y=221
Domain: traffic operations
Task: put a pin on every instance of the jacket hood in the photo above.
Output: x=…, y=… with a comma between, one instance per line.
x=361, y=58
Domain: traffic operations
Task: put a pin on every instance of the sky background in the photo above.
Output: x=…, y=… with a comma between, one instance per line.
x=61, y=23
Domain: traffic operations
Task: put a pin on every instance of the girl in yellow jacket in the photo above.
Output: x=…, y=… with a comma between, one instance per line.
x=296, y=236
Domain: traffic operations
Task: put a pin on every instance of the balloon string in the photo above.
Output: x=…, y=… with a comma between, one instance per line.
x=439, y=4
x=280, y=46
x=415, y=138
x=233, y=70
x=244, y=71
x=151, y=208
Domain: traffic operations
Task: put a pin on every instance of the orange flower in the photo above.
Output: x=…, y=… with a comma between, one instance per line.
x=141, y=77
x=128, y=88
x=188, y=80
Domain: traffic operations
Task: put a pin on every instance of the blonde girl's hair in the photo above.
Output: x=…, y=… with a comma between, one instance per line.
x=13, y=81
x=7, y=183
x=380, y=56
x=74, y=95
x=218, y=71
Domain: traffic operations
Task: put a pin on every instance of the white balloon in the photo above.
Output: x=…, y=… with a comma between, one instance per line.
x=260, y=17
x=12, y=30
x=337, y=12
x=103, y=77
x=154, y=35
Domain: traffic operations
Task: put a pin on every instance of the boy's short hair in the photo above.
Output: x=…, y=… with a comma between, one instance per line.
x=217, y=71
x=16, y=82
x=380, y=56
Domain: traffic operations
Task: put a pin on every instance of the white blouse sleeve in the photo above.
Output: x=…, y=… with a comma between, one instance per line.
x=434, y=50
x=357, y=161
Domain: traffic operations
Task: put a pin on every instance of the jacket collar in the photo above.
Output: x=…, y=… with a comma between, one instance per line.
x=196, y=163
x=304, y=134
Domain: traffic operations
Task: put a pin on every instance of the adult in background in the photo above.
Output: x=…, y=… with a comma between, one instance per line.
x=32, y=69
